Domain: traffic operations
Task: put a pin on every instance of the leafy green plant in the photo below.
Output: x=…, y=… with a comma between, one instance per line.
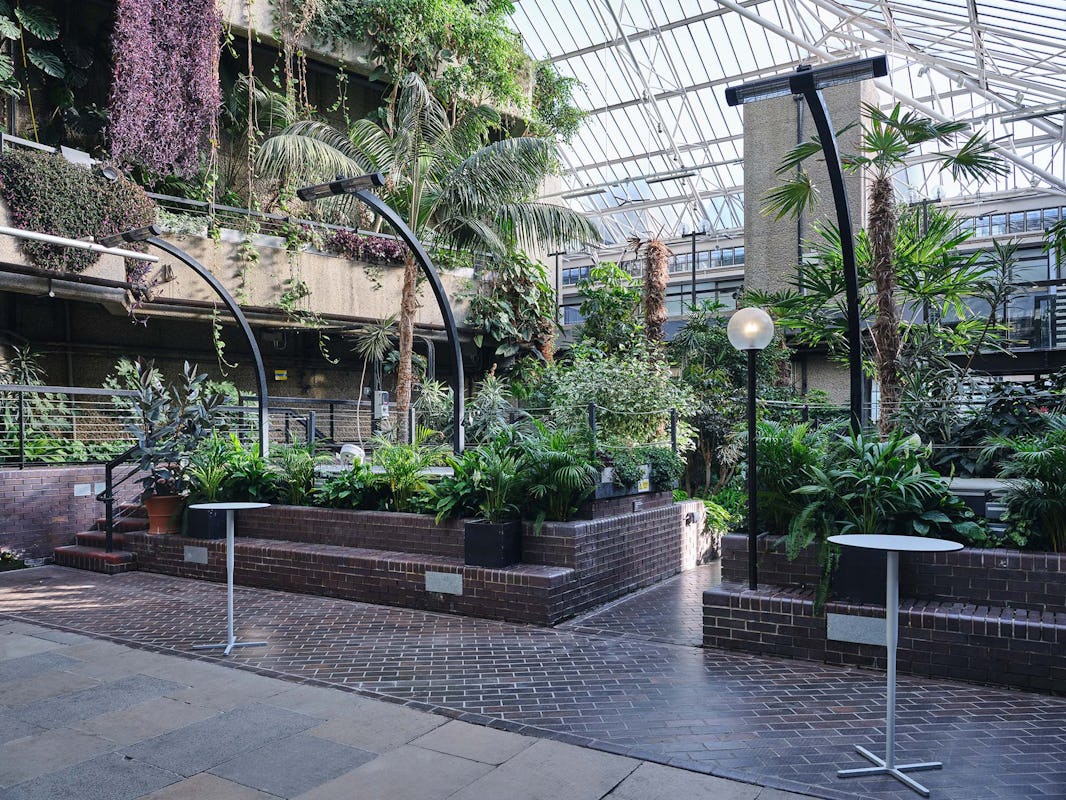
x=784, y=454
x=350, y=488
x=628, y=467
x=404, y=466
x=560, y=472
x=9, y=561
x=1034, y=466
x=667, y=467
x=872, y=485
x=611, y=307
x=252, y=478
x=485, y=482
x=295, y=466
x=170, y=422
x=209, y=470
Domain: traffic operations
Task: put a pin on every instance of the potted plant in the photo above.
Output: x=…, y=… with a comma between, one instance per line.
x=207, y=474
x=486, y=480
x=168, y=424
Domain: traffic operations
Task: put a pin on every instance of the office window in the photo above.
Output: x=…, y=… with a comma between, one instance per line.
x=1033, y=221
x=1016, y=223
x=738, y=255
x=572, y=315
x=999, y=224
x=982, y=226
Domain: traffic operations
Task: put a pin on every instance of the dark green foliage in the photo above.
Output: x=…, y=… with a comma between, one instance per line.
x=1035, y=468
x=560, y=472
x=47, y=193
x=170, y=423
x=785, y=453
x=611, y=307
x=403, y=482
x=252, y=478
x=9, y=561
x=295, y=466
x=870, y=485
x=352, y=488
x=485, y=483
x=667, y=467
x=628, y=467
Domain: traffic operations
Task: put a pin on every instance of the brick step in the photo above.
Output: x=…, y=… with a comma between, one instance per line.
x=520, y=593
x=99, y=539
x=124, y=523
x=95, y=559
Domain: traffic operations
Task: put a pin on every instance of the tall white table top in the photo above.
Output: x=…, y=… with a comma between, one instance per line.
x=227, y=506
x=899, y=544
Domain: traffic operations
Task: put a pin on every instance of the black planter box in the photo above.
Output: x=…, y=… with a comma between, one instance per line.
x=201, y=523
x=860, y=576
x=492, y=544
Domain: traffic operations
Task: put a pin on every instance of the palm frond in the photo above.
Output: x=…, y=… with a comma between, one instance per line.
x=791, y=198
x=977, y=160
x=308, y=151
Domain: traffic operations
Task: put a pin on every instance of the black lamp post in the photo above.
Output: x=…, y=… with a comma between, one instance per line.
x=360, y=187
x=809, y=83
x=750, y=330
x=150, y=235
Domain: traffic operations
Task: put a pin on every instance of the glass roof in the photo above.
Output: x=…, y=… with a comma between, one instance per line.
x=661, y=153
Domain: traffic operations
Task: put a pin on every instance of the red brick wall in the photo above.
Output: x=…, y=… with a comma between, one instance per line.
x=38, y=509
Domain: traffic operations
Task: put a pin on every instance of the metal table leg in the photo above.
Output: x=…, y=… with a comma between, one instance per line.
x=887, y=765
x=231, y=639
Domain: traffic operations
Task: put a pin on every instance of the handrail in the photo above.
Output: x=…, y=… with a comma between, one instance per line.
x=22, y=387
x=107, y=496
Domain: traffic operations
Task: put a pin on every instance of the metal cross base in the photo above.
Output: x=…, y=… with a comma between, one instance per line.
x=228, y=645
x=895, y=771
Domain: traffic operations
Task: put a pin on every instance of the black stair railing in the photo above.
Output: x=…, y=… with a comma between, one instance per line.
x=107, y=496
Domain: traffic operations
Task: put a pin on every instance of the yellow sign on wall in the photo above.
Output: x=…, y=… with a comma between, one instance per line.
x=281, y=374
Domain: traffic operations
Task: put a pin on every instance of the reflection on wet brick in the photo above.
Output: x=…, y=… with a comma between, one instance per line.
x=782, y=723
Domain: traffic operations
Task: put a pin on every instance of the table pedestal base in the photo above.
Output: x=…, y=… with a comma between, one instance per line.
x=896, y=771
x=228, y=645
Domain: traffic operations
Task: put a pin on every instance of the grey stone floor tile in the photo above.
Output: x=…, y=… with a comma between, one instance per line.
x=475, y=742
x=207, y=787
x=11, y=727
x=378, y=727
x=24, y=759
x=318, y=701
x=16, y=645
x=40, y=687
x=65, y=709
x=233, y=689
x=33, y=665
x=144, y=720
x=207, y=744
x=549, y=770
x=656, y=782
x=291, y=766
x=106, y=777
x=406, y=773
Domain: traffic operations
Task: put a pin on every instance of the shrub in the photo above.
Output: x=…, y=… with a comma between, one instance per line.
x=352, y=488
x=47, y=193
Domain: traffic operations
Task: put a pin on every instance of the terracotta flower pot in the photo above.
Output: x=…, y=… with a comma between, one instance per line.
x=164, y=513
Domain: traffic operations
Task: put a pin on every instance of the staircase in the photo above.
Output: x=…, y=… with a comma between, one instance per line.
x=89, y=550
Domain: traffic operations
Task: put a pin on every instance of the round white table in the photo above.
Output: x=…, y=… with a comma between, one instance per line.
x=892, y=546
x=230, y=509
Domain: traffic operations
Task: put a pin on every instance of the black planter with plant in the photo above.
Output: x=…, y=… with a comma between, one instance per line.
x=492, y=544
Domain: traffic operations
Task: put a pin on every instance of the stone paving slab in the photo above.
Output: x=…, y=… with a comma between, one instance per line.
x=782, y=724
x=60, y=710
x=106, y=777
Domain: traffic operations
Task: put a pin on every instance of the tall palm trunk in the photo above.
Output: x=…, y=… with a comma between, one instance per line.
x=885, y=330
x=656, y=275
x=404, y=373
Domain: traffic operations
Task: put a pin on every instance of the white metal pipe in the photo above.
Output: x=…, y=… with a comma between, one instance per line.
x=77, y=244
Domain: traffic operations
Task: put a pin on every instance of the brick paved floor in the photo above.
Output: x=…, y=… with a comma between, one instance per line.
x=782, y=723
x=671, y=611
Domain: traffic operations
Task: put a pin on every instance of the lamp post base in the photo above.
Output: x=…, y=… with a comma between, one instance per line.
x=228, y=645
x=895, y=771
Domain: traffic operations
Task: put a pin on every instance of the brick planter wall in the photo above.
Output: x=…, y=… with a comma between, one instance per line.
x=989, y=616
x=1007, y=578
x=38, y=508
x=568, y=568
x=405, y=533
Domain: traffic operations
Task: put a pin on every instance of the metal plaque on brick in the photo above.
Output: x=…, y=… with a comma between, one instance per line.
x=855, y=629
x=445, y=582
x=195, y=555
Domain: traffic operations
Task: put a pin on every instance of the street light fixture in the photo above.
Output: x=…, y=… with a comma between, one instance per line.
x=751, y=330
x=360, y=186
x=809, y=82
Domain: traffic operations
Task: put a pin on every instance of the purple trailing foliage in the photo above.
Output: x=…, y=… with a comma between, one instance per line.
x=165, y=90
x=375, y=249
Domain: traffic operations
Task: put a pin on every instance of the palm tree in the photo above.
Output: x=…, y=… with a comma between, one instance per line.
x=453, y=187
x=656, y=276
x=887, y=141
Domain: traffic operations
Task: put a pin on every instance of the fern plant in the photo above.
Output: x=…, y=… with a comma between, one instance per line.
x=1036, y=492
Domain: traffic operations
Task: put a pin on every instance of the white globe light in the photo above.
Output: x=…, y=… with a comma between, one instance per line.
x=750, y=329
